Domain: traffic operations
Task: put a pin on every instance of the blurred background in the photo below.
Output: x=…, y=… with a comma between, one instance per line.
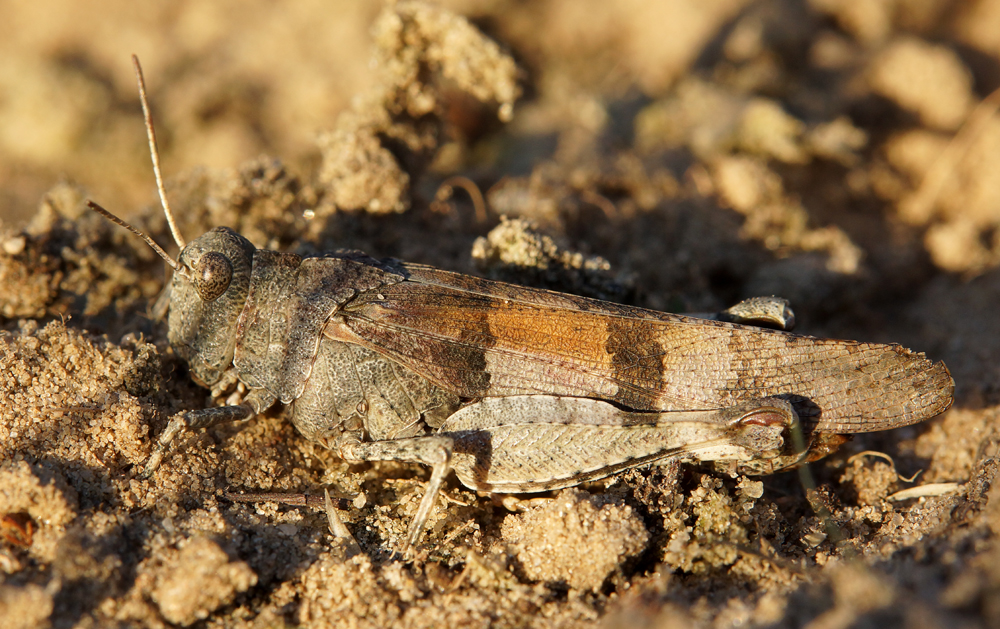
x=893, y=80
x=228, y=81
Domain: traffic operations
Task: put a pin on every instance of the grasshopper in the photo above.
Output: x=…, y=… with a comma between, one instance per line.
x=514, y=389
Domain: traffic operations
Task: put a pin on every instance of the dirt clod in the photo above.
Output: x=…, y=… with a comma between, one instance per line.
x=575, y=539
x=199, y=580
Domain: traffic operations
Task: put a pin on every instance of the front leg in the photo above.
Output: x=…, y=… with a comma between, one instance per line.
x=256, y=402
x=434, y=451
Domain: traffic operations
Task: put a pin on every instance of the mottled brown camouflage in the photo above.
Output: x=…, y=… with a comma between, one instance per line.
x=518, y=389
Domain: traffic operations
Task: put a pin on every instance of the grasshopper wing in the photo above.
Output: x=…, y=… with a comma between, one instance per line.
x=479, y=338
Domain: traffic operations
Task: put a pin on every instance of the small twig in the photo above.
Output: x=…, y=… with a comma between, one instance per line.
x=446, y=189
x=602, y=202
x=290, y=499
x=892, y=464
x=926, y=491
x=453, y=500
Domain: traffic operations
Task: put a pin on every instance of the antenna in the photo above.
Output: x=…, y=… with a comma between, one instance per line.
x=149, y=241
x=155, y=154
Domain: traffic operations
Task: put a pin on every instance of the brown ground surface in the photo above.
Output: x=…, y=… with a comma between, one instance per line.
x=679, y=155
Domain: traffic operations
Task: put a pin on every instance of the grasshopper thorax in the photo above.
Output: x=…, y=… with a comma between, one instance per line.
x=206, y=300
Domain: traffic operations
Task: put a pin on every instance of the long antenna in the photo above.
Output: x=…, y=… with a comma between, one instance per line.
x=149, y=241
x=155, y=153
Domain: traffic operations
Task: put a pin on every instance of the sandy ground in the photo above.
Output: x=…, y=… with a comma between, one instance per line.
x=677, y=155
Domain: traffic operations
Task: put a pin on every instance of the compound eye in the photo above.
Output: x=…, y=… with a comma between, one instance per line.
x=213, y=272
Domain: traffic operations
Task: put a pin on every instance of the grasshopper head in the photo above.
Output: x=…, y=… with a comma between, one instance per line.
x=207, y=295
